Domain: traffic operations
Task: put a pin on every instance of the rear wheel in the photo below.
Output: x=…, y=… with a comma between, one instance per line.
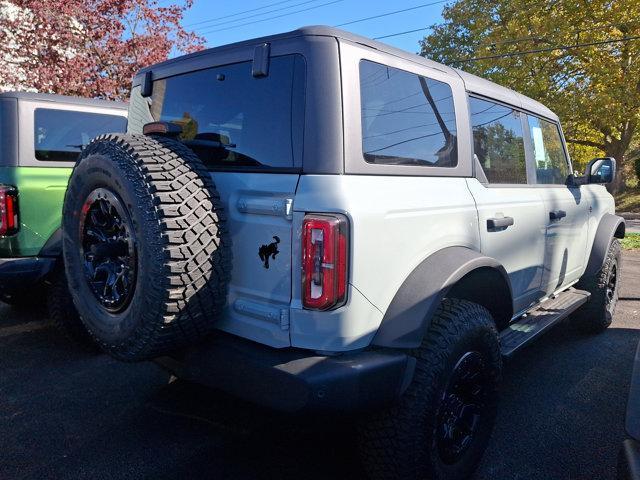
x=597, y=314
x=439, y=429
x=145, y=246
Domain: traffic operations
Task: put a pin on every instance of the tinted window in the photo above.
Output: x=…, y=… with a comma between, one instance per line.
x=406, y=119
x=498, y=142
x=548, y=152
x=60, y=134
x=232, y=119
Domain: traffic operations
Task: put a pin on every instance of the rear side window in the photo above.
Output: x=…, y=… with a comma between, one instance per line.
x=548, y=152
x=407, y=119
x=59, y=135
x=232, y=119
x=498, y=142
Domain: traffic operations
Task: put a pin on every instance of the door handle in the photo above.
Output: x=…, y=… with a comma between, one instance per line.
x=500, y=223
x=557, y=215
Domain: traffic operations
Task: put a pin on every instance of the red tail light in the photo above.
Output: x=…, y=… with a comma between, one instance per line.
x=8, y=210
x=324, y=261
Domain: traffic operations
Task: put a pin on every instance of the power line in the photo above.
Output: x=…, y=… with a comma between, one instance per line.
x=402, y=33
x=272, y=18
x=226, y=22
x=548, y=49
x=391, y=13
x=238, y=13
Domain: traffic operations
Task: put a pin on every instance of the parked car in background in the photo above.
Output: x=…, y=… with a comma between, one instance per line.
x=41, y=136
x=318, y=221
x=629, y=462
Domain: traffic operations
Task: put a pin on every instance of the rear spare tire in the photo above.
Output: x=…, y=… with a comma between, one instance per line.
x=145, y=247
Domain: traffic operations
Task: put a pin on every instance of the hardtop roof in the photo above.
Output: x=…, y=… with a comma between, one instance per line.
x=473, y=83
x=64, y=99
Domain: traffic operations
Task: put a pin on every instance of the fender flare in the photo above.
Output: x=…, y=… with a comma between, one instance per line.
x=409, y=315
x=610, y=226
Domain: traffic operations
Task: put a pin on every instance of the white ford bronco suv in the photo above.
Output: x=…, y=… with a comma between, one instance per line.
x=317, y=221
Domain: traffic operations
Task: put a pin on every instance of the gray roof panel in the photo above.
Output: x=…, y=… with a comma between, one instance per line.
x=50, y=97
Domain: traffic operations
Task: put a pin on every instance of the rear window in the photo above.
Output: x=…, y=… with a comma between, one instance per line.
x=232, y=119
x=59, y=135
x=407, y=119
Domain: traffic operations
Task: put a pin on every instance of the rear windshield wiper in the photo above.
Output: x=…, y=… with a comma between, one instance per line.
x=208, y=143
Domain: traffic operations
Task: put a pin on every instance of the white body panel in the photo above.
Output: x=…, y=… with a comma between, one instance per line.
x=259, y=298
x=566, y=238
x=395, y=223
x=520, y=248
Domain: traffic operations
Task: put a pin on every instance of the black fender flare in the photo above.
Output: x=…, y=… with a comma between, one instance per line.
x=409, y=315
x=610, y=226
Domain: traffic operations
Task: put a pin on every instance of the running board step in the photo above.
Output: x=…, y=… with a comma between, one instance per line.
x=535, y=322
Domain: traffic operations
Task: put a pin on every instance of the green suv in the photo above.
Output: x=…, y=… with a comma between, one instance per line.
x=41, y=136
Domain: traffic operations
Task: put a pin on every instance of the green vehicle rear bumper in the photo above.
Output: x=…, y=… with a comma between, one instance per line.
x=18, y=274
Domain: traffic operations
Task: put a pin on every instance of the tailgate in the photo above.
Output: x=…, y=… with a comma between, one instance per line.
x=259, y=208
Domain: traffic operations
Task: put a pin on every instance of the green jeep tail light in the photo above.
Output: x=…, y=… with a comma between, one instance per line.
x=324, y=261
x=8, y=210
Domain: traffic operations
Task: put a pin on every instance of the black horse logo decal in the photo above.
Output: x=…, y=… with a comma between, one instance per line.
x=270, y=250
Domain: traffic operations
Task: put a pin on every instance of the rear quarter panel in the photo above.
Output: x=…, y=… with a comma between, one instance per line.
x=41, y=193
x=395, y=223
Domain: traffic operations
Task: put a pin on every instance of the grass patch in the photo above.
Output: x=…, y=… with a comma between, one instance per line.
x=631, y=241
x=629, y=201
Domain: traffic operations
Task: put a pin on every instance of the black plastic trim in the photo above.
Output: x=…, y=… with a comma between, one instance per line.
x=53, y=247
x=294, y=380
x=629, y=464
x=610, y=226
x=409, y=314
x=632, y=422
x=23, y=272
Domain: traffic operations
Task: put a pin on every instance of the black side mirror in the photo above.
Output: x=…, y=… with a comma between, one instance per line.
x=601, y=170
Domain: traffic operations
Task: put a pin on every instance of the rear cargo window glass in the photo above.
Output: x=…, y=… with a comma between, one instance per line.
x=498, y=143
x=406, y=119
x=232, y=119
x=59, y=135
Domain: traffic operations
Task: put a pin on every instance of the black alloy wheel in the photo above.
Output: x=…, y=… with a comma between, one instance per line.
x=463, y=403
x=108, y=249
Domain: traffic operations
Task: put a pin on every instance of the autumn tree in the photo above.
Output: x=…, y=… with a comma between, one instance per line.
x=579, y=57
x=89, y=48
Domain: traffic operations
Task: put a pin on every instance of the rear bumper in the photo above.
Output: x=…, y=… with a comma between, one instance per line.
x=22, y=272
x=294, y=380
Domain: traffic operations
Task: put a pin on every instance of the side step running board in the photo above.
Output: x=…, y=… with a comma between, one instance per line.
x=534, y=323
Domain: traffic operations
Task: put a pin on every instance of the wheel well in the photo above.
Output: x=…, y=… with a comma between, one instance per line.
x=620, y=230
x=486, y=286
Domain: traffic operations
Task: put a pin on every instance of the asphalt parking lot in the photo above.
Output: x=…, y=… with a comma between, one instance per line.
x=69, y=414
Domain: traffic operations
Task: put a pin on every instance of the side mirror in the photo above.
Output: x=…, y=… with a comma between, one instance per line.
x=601, y=170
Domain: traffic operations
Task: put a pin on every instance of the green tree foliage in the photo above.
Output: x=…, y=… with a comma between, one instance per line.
x=594, y=88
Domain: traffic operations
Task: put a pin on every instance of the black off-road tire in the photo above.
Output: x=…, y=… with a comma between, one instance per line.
x=402, y=441
x=597, y=314
x=63, y=313
x=183, y=255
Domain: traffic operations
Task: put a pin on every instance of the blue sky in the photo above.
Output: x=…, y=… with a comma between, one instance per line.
x=221, y=22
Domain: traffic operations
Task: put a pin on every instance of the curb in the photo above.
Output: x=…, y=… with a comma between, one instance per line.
x=629, y=215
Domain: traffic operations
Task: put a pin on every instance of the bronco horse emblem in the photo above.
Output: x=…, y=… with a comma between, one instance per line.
x=270, y=250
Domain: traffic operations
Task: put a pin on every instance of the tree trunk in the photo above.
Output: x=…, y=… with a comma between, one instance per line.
x=617, y=150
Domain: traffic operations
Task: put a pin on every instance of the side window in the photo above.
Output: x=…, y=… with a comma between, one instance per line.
x=498, y=142
x=548, y=152
x=59, y=135
x=407, y=119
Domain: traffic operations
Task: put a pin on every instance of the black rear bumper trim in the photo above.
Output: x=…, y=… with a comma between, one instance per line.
x=294, y=380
